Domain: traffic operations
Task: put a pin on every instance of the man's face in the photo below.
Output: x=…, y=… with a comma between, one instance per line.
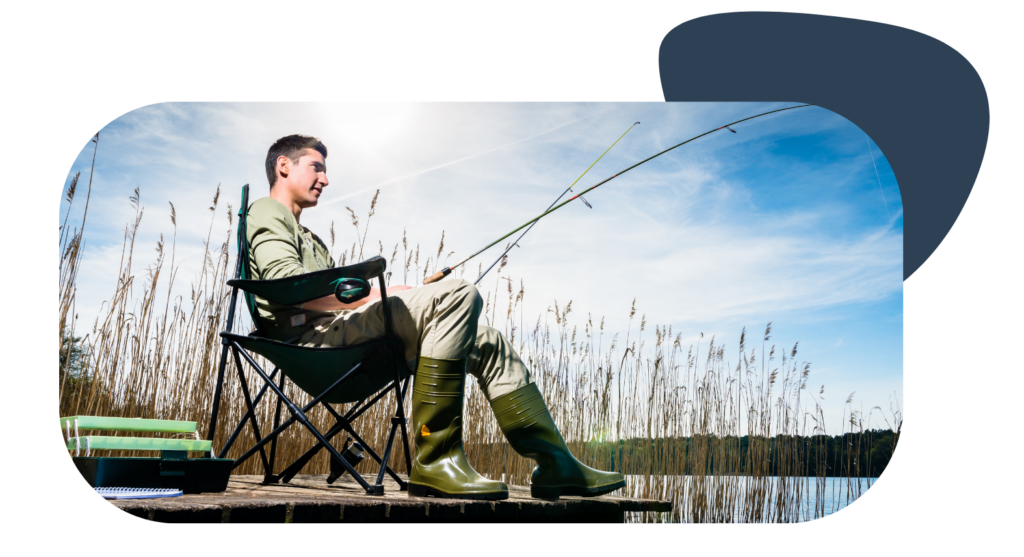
x=305, y=179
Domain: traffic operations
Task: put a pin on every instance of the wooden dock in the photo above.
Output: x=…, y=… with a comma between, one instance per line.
x=309, y=499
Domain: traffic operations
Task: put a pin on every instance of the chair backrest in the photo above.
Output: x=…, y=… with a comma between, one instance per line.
x=243, y=271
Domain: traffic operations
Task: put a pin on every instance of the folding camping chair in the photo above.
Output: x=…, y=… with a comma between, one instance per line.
x=349, y=374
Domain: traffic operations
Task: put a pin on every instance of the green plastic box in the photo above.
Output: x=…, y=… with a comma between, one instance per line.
x=171, y=470
x=190, y=475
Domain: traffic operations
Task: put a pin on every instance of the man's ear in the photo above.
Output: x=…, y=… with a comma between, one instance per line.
x=284, y=166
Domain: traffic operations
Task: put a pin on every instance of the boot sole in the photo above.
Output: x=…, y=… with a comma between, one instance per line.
x=554, y=492
x=416, y=490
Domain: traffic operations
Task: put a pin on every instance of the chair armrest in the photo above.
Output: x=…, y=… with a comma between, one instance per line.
x=300, y=289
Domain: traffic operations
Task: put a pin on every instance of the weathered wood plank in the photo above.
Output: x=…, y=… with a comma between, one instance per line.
x=311, y=499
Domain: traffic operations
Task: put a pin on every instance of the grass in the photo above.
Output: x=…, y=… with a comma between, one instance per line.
x=743, y=442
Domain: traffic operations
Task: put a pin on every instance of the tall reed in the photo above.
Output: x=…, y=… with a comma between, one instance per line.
x=743, y=442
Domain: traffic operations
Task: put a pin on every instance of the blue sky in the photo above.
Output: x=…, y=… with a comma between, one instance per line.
x=796, y=219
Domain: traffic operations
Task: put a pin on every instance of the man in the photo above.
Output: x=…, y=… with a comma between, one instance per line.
x=438, y=325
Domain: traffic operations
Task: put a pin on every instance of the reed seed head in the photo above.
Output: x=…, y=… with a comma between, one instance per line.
x=373, y=204
x=73, y=186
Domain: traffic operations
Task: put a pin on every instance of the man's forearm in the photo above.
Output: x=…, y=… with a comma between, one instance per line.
x=331, y=303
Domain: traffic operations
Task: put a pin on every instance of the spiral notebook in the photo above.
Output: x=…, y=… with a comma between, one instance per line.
x=136, y=492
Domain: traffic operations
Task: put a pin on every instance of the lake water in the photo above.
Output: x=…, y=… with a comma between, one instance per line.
x=743, y=499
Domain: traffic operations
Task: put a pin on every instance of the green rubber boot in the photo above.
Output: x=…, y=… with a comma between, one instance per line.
x=524, y=419
x=440, y=467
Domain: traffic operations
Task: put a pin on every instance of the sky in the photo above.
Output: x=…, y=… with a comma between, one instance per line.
x=796, y=219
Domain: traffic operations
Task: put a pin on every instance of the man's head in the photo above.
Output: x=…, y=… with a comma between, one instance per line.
x=297, y=163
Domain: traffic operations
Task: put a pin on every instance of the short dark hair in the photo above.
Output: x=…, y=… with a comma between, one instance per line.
x=293, y=147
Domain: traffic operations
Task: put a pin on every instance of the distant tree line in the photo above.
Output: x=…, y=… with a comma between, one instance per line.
x=70, y=359
x=863, y=454
x=75, y=381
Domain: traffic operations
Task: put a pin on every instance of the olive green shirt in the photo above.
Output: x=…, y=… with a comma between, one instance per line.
x=279, y=247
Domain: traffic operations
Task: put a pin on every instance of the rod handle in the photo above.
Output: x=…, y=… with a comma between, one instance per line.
x=438, y=275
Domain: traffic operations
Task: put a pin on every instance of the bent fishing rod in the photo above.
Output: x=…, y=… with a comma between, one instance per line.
x=447, y=270
x=567, y=190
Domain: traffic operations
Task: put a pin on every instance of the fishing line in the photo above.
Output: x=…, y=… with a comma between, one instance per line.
x=448, y=270
x=879, y=180
x=567, y=190
x=818, y=184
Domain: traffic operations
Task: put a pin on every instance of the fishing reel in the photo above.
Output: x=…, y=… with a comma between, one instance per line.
x=352, y=453
x=348, y=290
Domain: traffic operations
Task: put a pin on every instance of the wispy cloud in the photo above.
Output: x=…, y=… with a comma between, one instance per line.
x=783, y=221
x=443, y=165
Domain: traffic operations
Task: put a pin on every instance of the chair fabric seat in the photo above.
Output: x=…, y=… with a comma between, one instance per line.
x=315, y=369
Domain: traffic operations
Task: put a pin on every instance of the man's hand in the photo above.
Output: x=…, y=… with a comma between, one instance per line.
x=331, y=303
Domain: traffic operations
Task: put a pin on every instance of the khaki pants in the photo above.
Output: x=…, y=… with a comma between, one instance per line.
x=437, y=320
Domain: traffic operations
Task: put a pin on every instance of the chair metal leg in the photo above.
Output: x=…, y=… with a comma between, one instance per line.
x=348, y=428
x=300, y=416
x=259, y=445
x=245, y=418
x=349, y=419
x=273, y=444
x=400, y=395
x=387, y=454
x=211, y=430
x=252, y=409
x=344, y=423
x=289, y=474
x=294, y=468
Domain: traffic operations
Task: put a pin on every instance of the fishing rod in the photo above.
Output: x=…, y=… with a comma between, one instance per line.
x=567, y=190
x=447, y=270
